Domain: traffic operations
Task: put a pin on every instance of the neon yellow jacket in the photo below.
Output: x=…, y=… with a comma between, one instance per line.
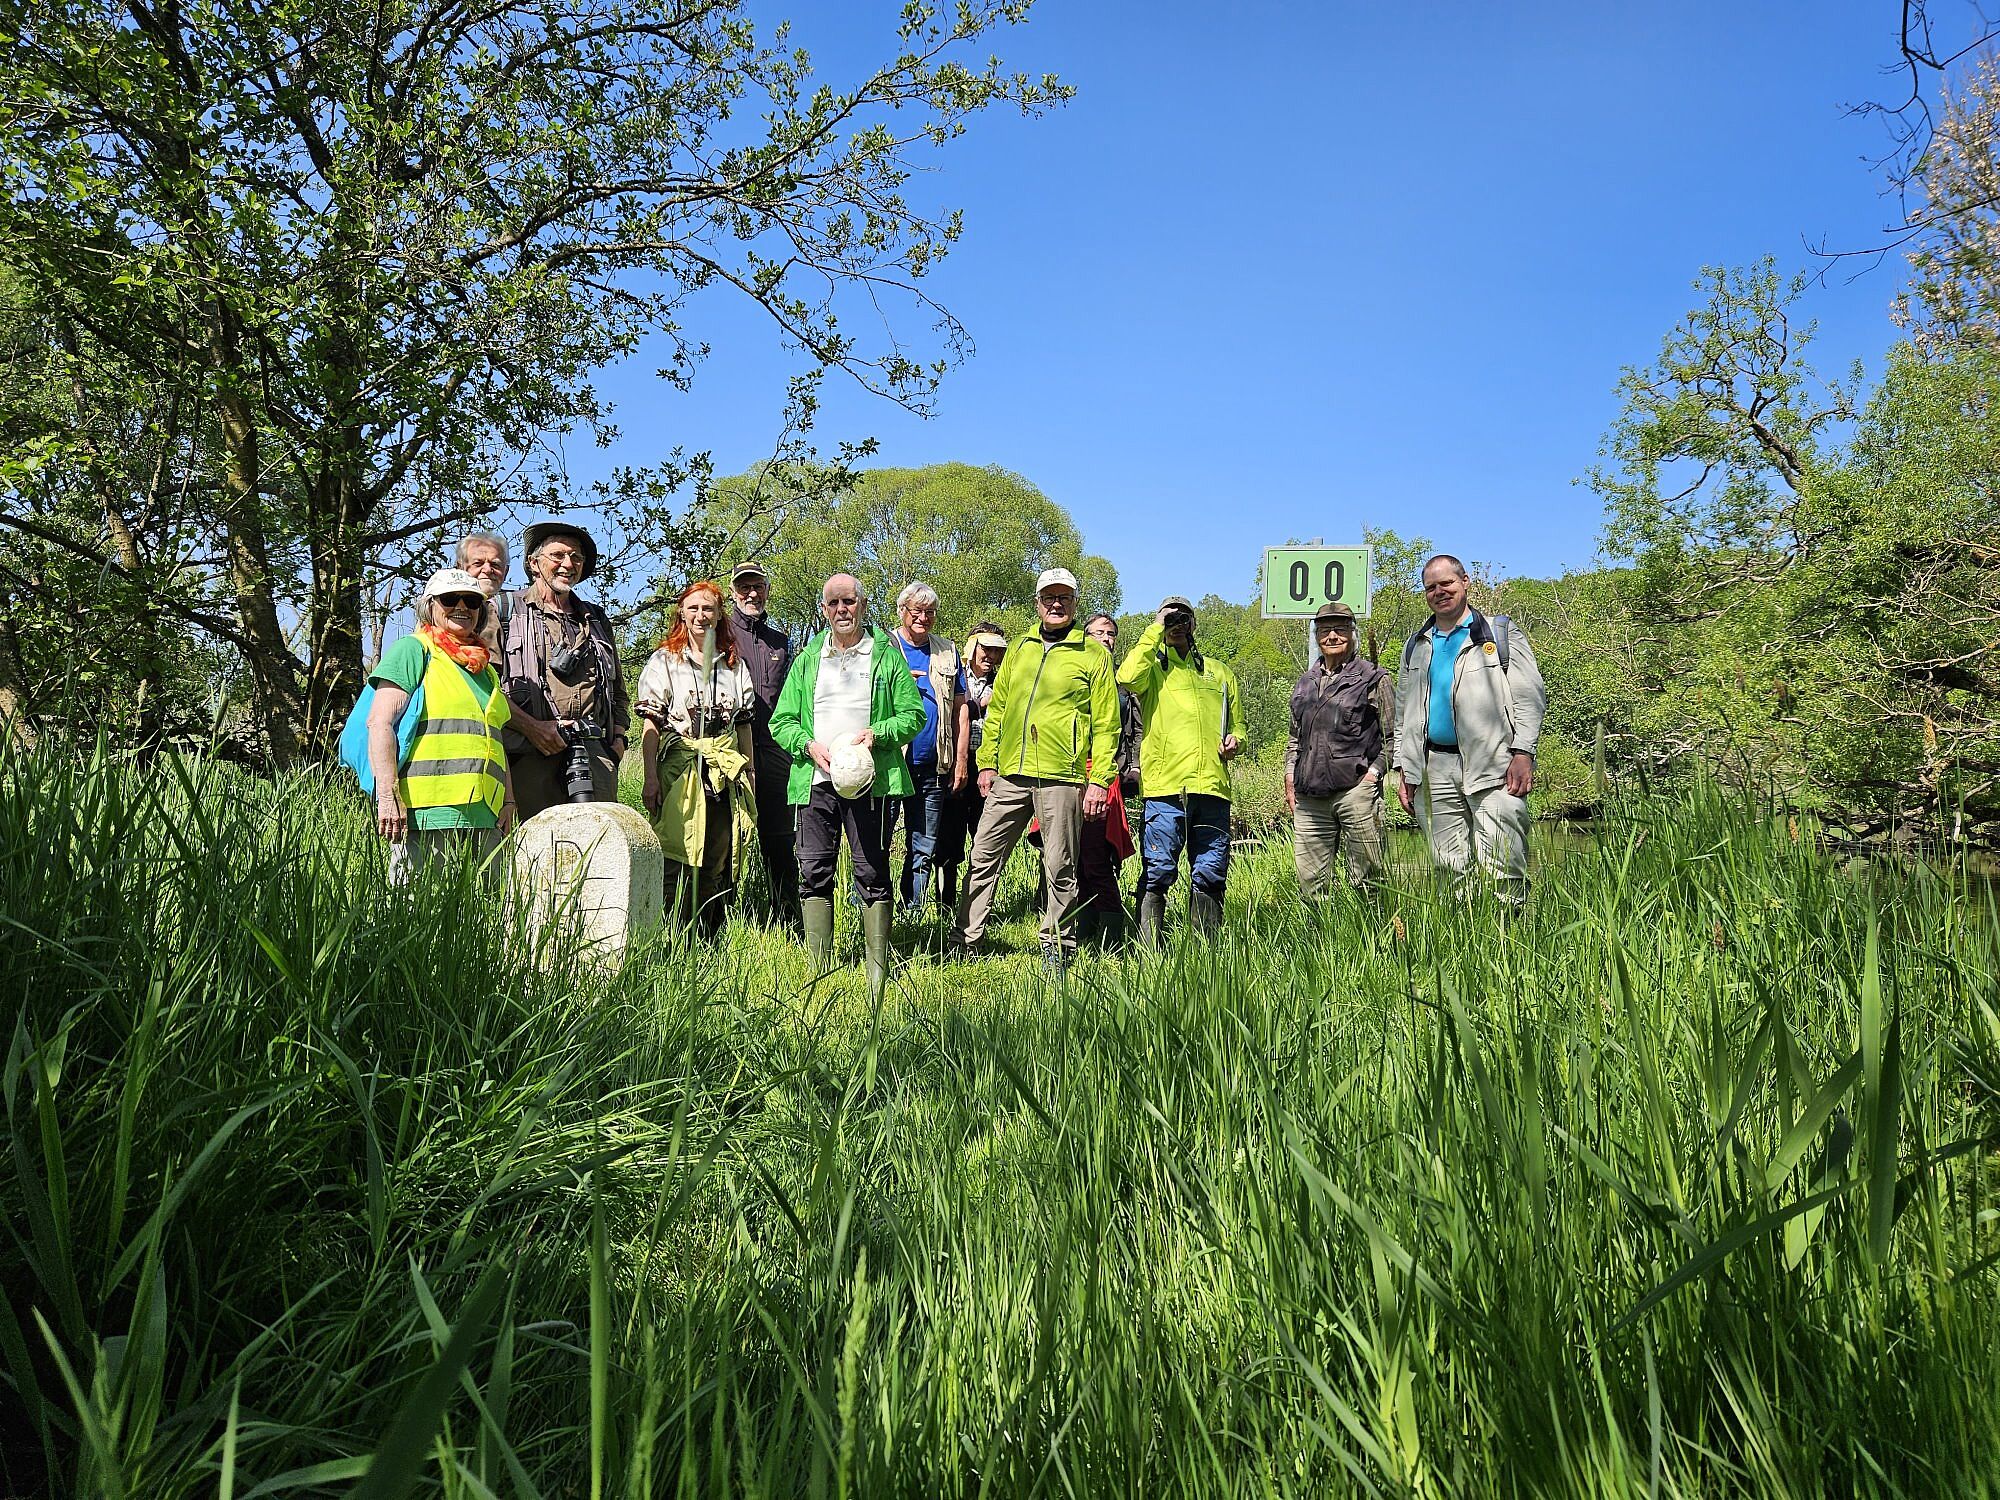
x=1189, y=703
x=1054, y=712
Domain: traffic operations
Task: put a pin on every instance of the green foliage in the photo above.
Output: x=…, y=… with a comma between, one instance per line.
x=1675, y=1183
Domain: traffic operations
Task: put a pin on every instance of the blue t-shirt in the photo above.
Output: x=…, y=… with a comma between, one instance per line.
x=1443, y=728
x=923, y=749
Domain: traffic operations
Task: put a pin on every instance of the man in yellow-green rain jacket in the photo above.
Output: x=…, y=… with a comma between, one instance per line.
x=1194, y=728
x=1049, y=752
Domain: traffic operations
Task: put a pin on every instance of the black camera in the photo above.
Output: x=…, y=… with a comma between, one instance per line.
x=580, y=736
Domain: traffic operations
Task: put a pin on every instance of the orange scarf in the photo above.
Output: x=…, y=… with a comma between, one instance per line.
x=471, y=655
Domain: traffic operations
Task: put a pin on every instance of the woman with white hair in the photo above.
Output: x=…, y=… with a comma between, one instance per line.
x=938, y=756
x=454, y=792
x=1343, y=723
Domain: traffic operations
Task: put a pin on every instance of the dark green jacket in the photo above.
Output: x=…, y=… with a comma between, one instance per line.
x=895, y=713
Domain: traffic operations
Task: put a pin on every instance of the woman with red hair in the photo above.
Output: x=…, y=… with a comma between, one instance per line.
x=696, y=700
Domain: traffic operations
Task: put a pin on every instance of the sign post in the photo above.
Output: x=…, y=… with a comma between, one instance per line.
x=1298, y=580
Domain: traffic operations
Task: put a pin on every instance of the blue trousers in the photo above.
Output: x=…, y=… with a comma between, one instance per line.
x=922, y=816
x=1198, y=823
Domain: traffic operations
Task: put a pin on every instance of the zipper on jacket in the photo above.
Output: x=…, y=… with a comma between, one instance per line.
x=1028, y=714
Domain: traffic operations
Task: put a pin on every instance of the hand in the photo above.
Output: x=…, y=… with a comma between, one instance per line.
x=958, y=777
x=618, y=744
x=1291, y=794
x=1520, y=774
x=1374, y=775
x=821, y=756
x=1403, y=794
x=1231, y=747
x=392, y=819
x=544, y=734
x=865, y=739
x=986, y=783
x=650, y=794
x=510, y=814
x=1096, y=802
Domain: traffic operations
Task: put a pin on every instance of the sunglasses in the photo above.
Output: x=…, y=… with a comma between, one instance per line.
x=460, y=601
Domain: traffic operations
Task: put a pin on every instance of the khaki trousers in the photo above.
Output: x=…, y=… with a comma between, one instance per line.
x=1489, y=828
x=1014, y=803
x=1322, y=827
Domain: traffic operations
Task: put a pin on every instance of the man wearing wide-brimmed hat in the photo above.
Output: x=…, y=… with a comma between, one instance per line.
x=767, y=652
x=560, y=665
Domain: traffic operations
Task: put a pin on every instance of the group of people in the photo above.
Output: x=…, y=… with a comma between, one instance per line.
x=520, y=704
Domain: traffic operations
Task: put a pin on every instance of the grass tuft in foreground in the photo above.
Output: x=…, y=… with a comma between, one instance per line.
x=1678, y=1184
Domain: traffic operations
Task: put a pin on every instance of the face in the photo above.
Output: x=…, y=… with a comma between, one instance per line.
x=840, y=602
x=1056, y=604
x=560, y=564
x=458, y=613
x=1180, y=631
x=1444, y=590
x=986, y=660
x=917, y=621
x=698, y=613
x=1104, y=631
x=751, y=591
x=488, y=564
x=1334, y=641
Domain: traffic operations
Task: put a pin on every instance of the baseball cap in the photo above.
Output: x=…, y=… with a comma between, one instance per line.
x=453, y=581
x=1175, y=601
x=1051, y=577
x=986, y=638
x=745, y=570
x=1338, y=612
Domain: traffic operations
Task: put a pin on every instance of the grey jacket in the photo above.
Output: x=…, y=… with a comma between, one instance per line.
x=1496, y=712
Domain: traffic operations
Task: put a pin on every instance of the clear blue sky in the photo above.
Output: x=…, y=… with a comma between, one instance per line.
x=1286, y=270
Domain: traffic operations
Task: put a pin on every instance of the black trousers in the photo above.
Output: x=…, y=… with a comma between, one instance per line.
x=777, y=831
x=866, y=821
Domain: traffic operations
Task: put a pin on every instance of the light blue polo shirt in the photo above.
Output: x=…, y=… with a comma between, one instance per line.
x=1443, y=727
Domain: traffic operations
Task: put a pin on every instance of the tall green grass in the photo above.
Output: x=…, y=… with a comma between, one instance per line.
x=1678, y=1183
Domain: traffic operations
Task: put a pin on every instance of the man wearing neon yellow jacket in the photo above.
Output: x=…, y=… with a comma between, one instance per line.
x=1049, y=752
x=1194, y=728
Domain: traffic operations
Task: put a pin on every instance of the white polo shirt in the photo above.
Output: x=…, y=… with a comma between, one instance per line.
x=842, y=693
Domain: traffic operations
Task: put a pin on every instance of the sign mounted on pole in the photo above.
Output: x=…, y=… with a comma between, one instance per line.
x=1298, y=580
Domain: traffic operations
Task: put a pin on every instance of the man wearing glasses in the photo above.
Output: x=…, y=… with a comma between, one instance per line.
x=1472, y=699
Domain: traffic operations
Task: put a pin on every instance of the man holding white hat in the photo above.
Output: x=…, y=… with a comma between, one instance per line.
x=1049, y=753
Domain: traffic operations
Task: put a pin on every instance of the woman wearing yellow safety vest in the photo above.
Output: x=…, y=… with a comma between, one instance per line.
x=455, y=790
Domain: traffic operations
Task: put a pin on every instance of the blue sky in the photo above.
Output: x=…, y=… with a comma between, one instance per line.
x=1289, y=270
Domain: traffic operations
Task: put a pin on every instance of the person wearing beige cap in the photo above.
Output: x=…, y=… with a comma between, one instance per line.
x=985, y=647
x=1338, y=756
x=1048, y=752
x=454, y=792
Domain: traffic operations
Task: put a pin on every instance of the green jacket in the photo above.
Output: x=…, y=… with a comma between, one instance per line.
x=1190, y=702
x=1054, y=713
x=895, y=713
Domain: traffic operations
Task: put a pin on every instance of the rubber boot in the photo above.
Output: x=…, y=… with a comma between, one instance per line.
x=875, y=921
x=1152, y=918
x=1206, y=913
x=817, y=914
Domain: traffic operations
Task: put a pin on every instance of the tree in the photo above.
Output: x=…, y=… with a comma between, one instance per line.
x=372, y=257
x=979, y=536
x=1954, y=253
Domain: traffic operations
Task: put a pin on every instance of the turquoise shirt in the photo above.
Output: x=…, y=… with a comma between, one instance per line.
x=1443, y=728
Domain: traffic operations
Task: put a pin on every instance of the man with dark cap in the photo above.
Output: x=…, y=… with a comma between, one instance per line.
x=1337, y=757
x=560, y=667
x=767, y=652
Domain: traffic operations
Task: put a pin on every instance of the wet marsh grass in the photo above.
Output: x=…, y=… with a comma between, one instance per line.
x=1678, y=1183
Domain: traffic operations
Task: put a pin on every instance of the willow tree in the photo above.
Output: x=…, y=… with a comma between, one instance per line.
x=380, y=251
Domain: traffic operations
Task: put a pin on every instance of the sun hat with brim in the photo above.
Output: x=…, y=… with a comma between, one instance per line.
x=985, y=638
x=541, y=531
x=452, y=581
x=1053, y=577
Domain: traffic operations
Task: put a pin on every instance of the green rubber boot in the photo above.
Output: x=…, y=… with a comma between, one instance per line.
x=1152, y=918
x=875, y=921
x=1206, y=913
x=817, y=913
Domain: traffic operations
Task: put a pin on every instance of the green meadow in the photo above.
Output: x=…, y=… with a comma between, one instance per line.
x=1679, y=1183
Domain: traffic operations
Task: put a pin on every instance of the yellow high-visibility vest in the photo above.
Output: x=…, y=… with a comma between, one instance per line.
x=458, y=759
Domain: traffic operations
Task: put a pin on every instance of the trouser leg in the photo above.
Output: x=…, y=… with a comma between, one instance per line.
x=923, y=814
x=1500, y=833
x=1165, y=834
x=777, y=833
x=1008, y=810
x=537, y=780
x=716, y=879
x=1059, y=805
x=866, y=820
x=1208, y=844
x=1316, y=828
x=819, y=842
x=1446, y=816
x=1099, y=902
x=1363, y=830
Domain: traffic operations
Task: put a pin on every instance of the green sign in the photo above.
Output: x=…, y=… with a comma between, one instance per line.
x=1298, y=580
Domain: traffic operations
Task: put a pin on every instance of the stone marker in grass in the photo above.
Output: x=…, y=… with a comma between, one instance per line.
x=597, y=865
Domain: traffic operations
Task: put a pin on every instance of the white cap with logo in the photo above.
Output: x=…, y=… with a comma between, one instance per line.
x=453, y=581
x=1052, y=577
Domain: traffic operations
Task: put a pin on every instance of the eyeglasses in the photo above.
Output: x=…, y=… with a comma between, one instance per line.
x=922, y=611
x=460, y=601
x=560, y=555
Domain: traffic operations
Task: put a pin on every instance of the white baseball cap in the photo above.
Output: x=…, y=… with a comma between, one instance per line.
x=453, y=581
x=1053, y=576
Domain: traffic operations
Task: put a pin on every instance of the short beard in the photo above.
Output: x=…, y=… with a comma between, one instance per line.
x=748, y=610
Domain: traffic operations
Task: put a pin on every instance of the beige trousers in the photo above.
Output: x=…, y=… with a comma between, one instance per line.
x=1489, y=829
x=1014, y=803
x=1322, y=827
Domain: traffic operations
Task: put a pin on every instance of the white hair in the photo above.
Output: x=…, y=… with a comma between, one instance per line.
x=915, y=593
x=481, y=539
